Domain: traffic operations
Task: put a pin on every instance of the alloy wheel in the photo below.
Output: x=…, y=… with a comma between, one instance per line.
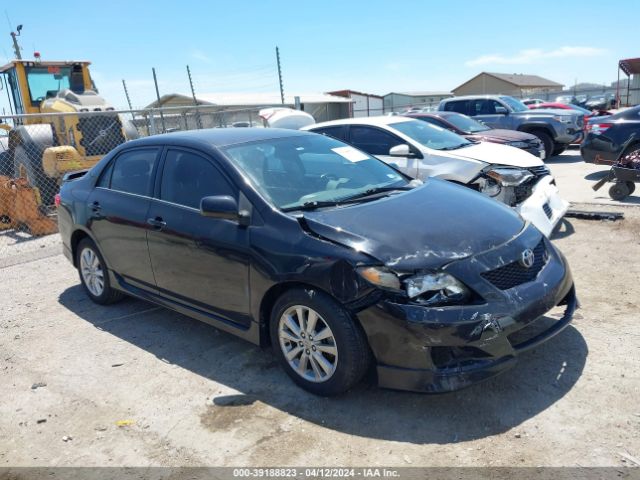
x=308, y=343
x=92, y=273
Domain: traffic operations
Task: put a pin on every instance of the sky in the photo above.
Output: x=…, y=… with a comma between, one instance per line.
x=372, y=46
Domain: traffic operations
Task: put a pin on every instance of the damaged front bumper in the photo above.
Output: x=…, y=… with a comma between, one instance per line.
x=544, y=207
x=441, y=349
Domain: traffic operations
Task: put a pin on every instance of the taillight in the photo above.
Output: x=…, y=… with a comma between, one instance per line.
x=599, y=128
x=56, y=200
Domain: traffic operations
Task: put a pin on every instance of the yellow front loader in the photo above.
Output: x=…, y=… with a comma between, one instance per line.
x=60, y=124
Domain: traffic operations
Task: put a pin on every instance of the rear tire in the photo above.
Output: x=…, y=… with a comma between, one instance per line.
x=546, y=140
x=94, y=275
x=334, y=363
x=619, y=191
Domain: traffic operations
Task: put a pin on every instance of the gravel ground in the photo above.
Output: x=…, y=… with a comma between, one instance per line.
x=134, y=384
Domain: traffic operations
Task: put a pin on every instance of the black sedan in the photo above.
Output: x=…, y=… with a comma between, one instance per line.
x=610, y=138
x=475, y=131
x=331, y=256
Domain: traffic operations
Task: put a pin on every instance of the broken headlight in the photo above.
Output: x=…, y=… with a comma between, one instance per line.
x=489, y=186
x=509, y=177
x=436, y=289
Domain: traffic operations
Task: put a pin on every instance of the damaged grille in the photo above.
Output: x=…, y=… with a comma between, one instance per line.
x=522, y=192
x=100, y=133
x=514, y=274
x=540, y=171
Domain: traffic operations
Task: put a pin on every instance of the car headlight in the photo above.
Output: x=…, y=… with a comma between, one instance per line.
x=518, y=144
x=563, y=118
x=436, y=289
x=509, y=177
x=489, y=187
x=380, y=277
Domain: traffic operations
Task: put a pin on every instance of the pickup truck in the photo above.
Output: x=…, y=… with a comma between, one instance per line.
x=556, y=129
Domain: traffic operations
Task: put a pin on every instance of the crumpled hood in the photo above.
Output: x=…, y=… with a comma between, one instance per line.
x=498, y=154
x=501, y=135
x=424, y=228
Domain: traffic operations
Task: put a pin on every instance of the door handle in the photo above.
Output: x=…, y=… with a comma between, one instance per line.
x=157, y=223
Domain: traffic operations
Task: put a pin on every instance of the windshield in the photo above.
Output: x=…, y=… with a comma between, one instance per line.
x=466, y=124
x=47, y=81
x=516, y=105
x=301, y=170
x=431, y=136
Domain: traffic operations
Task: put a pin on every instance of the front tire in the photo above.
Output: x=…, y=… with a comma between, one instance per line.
x=317, y=342
x=26, y=166
x=559, y=148
x=547, y=141
x=94, y=275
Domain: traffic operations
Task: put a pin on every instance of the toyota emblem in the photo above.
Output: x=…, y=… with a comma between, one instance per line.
x=527, y=258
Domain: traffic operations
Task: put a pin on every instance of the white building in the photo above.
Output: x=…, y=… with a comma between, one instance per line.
x=401, y=101
x=364, y=104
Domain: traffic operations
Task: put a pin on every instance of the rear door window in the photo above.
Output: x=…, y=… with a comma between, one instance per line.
x=373, y=140
x=460, y=106
x=188, y=177
x=132, y=171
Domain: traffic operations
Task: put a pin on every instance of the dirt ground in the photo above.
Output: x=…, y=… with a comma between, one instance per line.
x=134, y=384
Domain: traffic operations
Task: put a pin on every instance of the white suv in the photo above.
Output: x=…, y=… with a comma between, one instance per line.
x=422, y=150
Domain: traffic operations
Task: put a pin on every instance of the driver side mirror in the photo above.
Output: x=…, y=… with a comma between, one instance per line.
x=223, y=207
x=502, y=111
x=402, y=150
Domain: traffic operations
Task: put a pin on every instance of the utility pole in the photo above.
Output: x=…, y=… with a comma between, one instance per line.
x=280, y=75
x=16, y=47
x=195, y=100
x=155, y=81
x=126, y=94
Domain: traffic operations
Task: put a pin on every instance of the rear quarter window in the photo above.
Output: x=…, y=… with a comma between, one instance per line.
x=338, y=132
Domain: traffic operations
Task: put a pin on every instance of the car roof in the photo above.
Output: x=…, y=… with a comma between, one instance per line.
x=436, y=114
x=554, y=105
x=215, y=137
x=378, y=121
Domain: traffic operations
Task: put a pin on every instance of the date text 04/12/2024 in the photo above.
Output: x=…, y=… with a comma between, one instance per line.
x=315, y=473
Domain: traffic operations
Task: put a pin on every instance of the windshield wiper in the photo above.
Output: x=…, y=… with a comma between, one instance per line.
x=374, y=191
x=455, y=147
x=312, y=205
x=352, y=199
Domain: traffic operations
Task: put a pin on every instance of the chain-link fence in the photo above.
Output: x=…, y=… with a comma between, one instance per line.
x=37, y=150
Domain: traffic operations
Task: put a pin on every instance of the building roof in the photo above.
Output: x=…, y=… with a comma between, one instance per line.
x=630, y=65
x=249, y=99
x=520, y=80
x=425, y=93
x=347, y=92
